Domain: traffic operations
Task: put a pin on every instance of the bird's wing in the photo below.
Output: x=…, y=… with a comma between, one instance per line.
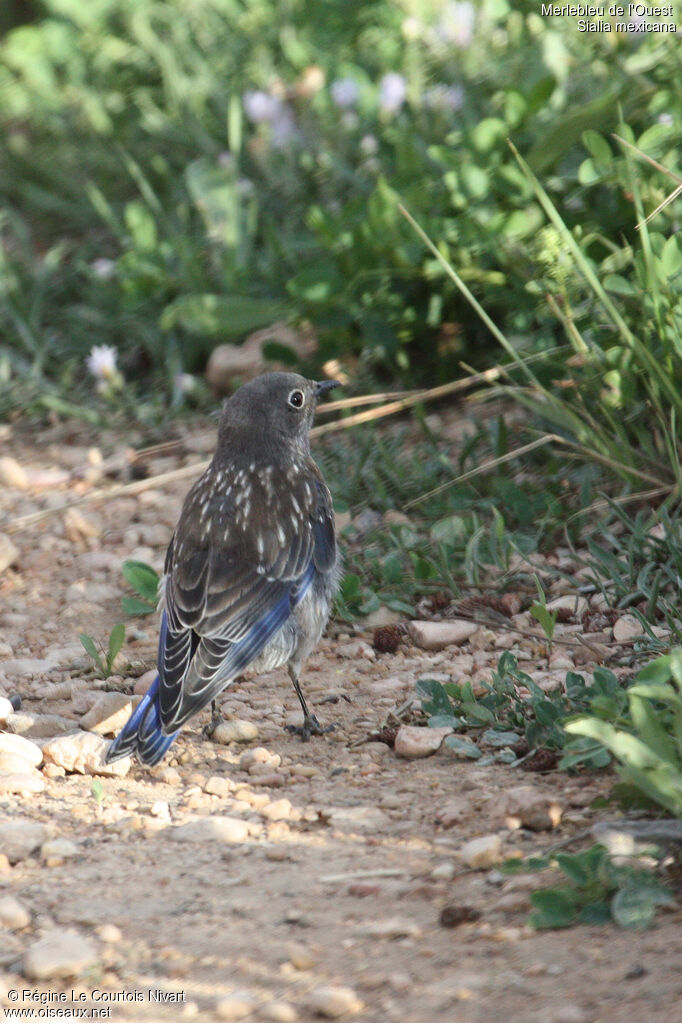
x=236, y=567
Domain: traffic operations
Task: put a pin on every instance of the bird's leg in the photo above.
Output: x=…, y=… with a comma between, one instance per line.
x=216, y=719
x=310, y=726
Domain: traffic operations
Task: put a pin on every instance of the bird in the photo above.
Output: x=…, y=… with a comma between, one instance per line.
x=252, y=566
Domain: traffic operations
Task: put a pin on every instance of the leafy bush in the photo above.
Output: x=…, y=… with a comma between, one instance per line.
x=598, y=891
x=513, y=707
x=649, y=746
x=243, y=163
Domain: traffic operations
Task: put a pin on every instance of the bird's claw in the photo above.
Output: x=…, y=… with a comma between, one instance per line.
x=310, y=726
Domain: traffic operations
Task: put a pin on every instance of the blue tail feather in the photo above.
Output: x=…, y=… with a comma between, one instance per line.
x=142, y=733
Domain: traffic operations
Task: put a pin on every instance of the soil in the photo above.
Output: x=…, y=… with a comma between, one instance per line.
x=352, y=854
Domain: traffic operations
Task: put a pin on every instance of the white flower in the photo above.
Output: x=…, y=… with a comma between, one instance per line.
x=444, y=97
x=260, y=106
x=102, y=362
x=457, y=24
x=369, y=145
x=392, y=92
x=185, y=383
x=345, y=92
x=103, y=268
x=665, y=118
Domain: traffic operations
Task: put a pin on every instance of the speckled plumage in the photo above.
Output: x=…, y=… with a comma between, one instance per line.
x=251, y=569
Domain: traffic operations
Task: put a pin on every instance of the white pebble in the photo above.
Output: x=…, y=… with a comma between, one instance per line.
x=482, y=852
x=333, y=1002
x=59, y=954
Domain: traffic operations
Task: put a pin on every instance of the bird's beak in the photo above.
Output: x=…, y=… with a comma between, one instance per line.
x=322, y=386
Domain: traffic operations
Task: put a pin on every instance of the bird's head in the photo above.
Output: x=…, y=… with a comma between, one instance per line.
x=273, y=410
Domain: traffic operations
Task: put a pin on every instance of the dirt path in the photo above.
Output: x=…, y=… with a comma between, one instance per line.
x=340, y=856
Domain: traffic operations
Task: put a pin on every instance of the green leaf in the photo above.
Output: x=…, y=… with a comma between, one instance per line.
x=116, y=641
x=135, y=607
x=228, y=317
x=143, y=579
x=554, y=907
x=90, y=649
x=435, y=700
x=445, y=721
x=634, y=907
x=493, y=737
x=463, y=747
x=97, y=790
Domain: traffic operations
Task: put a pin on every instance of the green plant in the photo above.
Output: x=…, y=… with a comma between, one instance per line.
x=635, y=561
x=598, y=892
x=97, y=793
x=102, y=660
x=145, y=581
x=547, y=619
x=513, y=707
x=648, y=748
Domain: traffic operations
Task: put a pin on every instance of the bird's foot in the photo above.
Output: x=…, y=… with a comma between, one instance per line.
x=208, y=730
x=310, y=726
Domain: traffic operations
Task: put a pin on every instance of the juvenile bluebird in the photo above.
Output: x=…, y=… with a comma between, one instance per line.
x=251, y=569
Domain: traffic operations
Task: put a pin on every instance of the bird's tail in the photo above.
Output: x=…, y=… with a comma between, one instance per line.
x=142, y=734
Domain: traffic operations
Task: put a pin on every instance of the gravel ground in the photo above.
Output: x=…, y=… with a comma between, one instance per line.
x=261, y=878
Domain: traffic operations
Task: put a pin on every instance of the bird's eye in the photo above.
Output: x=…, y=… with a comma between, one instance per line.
x=296, y=399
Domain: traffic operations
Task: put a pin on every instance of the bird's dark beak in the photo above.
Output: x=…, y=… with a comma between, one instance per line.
x=322, y=386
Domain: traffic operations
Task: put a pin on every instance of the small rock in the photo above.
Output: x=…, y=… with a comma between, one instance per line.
x=20, y=838
x=12, y=475
x=279, y=810
x=438, y=635
x=455, y=916
x=443, y=872
x=83, y=753
x=59, y=954
x=382, y=618
x=38, y=726
x=6, y=709
x=217, y=786
x=332, y=1002
x=357, y=648
x=17, y=746
x=236, y=1006
x=533, y=809
x=10, y=763
x=394, y=927
x=143, y=683
x=22, y=784
x=569, y=1013
x=302, y=958
x=8, y=552
x=278, y=1012
x=259, y=755
x=237, y=730
x=218, y=829
x=413, y=742
x=452, y=813
x=482, y=852
x=358, y=818
x=110, y=934
x=574, y=603
x=626, y=628
x=13, y=914
x=57, y=850
x=109, y=713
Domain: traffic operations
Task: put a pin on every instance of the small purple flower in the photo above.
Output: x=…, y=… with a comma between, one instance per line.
x=345, y=92
x=447, y=98
x=260, y=106
x=392, y=92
